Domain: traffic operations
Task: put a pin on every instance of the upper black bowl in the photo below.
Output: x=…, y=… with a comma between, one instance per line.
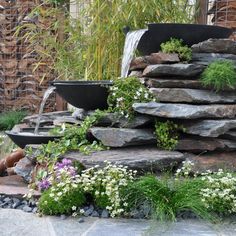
x=89, y=95
x=189, y=33
x=27, y=136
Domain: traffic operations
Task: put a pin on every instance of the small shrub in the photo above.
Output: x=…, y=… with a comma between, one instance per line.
x=50, y=205
x=124, y=93
x=177, y=46
x=167, y=134
x=220, y=74
x=9, y=119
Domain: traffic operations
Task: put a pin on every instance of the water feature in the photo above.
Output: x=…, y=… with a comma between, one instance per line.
x=131, y=43
x=46, y=95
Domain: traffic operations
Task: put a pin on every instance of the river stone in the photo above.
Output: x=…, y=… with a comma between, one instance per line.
x=207, y=58
x=186, y=70
x=215, y=46
x=154, y=58
x=210, y=128
x=197, y=145
x=117, y=137
x=24, y=169
x=143, y=159
x=192, y=96
x=213, y=161
x=185, y=111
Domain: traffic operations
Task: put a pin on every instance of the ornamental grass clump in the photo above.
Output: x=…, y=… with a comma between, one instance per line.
x=177, y=46
x=124, y=93
x=220, y=75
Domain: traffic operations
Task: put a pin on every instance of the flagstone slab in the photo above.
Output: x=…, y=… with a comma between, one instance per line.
x=185, y=111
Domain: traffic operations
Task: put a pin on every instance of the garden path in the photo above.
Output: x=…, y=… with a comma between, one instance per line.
x=19, y=223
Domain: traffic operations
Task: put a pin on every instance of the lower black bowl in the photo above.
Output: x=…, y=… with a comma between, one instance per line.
x=26, y=136
x=89, y=95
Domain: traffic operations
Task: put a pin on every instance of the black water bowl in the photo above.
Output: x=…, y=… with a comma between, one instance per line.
x=190, y=33
x=27, y=136
x=89, y=95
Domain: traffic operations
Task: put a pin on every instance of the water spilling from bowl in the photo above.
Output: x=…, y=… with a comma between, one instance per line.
x=46, y=95
x=131, y=43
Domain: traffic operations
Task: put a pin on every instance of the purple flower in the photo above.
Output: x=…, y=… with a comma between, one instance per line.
x=44, y=184
x=65, y=163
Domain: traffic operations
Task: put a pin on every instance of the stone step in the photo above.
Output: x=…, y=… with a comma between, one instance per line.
x=185, y=111
x=144, y=159
x=180, y=69
x=193, y=96
x=210, y=128
x=118, y=137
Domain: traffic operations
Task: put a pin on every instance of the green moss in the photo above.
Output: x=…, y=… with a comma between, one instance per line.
x=177, y=46
x=220, y=74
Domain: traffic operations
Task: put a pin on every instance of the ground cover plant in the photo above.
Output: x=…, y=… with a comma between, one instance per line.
x=220, y=75
x=177, y=46
x=10, y=118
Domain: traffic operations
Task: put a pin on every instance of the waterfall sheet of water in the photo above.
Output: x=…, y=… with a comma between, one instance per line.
x=131, y=43
x=46, y=95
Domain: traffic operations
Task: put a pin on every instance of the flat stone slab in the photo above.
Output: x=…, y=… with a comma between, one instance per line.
x=196, y=145
x=195, y=96
x=14, y=186
x=214, y=161
x=144, y=159
x=187, y=70
x=207, y=58
x=118, y=137
x=185, y=111
x=227, y=46
x=210, y=128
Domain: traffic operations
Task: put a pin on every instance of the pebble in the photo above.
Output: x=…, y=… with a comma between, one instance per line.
x=105, y=214
x=81, y=220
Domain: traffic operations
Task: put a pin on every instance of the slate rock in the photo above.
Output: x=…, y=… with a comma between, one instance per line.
x=154, y=58
x=24, y=169
x=117, y=137
x=136, y=73
x=215, y=46
x=213, y=161
x=207, y=58
x=196, y=145
x=230, y=135
x=185, y=111
x=95, y=214
x=143, y=159
x=27, y=209
x=179, y=69
x=195, y=96
x=210, y=128
x=89, y=211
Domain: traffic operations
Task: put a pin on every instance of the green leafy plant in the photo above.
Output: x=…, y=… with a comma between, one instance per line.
x=220, y=74
x=167, y=134
x=124, y=93
x=177, y=46
x=10, y=118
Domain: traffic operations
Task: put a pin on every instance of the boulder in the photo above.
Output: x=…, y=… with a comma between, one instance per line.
x=180, y=69
x=117, y=137
x=185, y=111
x=195, y=96
x=154, y=58
x=215, y=46
x=198, y=145
x=213, y=161
x=207, y=58
x=210, y=128
x=144, y=159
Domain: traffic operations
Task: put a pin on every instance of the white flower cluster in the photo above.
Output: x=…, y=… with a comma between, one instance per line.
x=185, y=169
x=107, y=182
x=221, y=191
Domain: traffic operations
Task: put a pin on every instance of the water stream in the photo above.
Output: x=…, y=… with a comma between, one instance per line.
x=46, y=95
x=131, y=43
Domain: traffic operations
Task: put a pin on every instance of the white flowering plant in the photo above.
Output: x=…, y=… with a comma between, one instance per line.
x=105, y=185
x=219, y=195
x=124, y=93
